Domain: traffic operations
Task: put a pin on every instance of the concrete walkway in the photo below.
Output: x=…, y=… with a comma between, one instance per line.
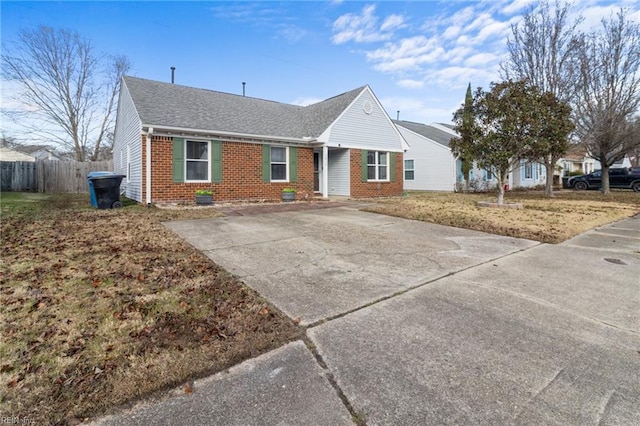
x=413, y=323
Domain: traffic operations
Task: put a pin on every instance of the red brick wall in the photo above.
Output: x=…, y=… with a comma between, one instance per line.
x=361, y=189
x=241, y=174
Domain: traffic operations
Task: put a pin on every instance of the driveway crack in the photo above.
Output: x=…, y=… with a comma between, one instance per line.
x=356, y=417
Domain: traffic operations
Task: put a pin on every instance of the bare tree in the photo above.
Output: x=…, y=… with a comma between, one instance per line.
x=69, y=90
x=543, y=49
x=609, y=93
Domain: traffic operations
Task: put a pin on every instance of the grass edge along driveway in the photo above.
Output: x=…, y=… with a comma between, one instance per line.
x=548, y=220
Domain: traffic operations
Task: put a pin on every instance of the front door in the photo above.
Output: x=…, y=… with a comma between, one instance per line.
x=316, y=172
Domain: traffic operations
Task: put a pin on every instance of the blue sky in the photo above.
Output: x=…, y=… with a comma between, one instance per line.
x=418, y=57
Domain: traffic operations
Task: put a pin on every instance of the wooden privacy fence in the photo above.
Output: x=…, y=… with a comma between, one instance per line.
x=49, y=175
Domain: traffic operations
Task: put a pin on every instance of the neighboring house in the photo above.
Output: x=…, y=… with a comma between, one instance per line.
x=171, y=140
x=428, y=162
x=7, y=154
x=40, y=152
x=526, y=175
x=576, y=161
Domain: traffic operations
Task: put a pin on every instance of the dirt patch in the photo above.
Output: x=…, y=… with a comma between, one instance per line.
x=100, y=307
x=549, y=220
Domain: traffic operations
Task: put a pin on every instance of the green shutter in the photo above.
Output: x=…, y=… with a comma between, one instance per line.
x=293, y=164
x=266, y=163
x=392, y=166
x=178, y=160
x=216, y=161
x=365, y=174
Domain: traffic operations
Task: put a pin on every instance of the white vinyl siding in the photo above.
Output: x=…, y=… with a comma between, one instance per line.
x=128, y=139
x=339, y=172
x=357, y=129
x=433, y=164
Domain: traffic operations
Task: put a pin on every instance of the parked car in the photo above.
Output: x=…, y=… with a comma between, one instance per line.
x=623, y=178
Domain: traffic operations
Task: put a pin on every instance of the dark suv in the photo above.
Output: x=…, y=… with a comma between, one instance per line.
x=624, y=178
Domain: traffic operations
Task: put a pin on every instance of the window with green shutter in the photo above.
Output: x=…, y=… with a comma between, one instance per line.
x=197, y=160
x=279, y=163
x=178, y=160
x=378, y=166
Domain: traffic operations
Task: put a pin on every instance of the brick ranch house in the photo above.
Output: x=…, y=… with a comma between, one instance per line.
x=171, y=140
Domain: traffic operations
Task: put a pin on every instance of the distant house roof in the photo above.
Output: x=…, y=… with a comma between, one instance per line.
x=430, y=132
x=7, y=154
x=172, y=105
x=451, y=126
x=40, y=152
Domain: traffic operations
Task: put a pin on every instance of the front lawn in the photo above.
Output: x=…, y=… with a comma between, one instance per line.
x=553, y=220
x=100, y=307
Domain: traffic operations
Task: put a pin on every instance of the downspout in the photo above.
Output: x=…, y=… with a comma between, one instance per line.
x=148, y=168
x=325, y=171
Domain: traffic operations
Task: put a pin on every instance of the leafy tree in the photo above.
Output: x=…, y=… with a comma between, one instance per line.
x=71, y=92
x=543, y=49
x=609, y=94
x=512, y=122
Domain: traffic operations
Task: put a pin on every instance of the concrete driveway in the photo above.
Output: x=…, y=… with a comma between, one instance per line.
x=318, y=264
x=412, y=323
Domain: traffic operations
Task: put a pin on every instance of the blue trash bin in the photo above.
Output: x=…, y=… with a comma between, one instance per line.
x=104, y=189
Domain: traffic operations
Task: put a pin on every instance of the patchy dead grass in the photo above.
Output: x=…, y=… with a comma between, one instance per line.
x=553, y=220
x=100, y=307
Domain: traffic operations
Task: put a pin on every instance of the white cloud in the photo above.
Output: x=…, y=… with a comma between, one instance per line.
x=452, y=32
x=407, y=54
x=480, y=59
x=363, y=28
x=517, y=6
x=456, y=77
x=392, y=22
x=410, y=84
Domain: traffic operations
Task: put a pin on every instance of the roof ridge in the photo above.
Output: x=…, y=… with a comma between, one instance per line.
x=211, y=91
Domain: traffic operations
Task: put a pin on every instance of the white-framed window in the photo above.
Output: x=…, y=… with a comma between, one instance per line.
x=197, y=160
x=279, y=164
x=528, y=170
x=409, y=171
x=377, y=165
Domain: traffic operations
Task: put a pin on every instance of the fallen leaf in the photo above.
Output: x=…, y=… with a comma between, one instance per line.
x=264, y=311
x=297, y=320
x=188, y=388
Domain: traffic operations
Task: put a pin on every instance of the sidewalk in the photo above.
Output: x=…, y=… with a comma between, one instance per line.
x=549, y=334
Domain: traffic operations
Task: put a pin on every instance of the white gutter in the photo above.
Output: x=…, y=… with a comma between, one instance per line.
x=148, y=168
x=179, y=131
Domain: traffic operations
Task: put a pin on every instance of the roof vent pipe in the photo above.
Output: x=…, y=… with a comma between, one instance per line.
x=173, y=70
x=398, y=115
x=244, y=83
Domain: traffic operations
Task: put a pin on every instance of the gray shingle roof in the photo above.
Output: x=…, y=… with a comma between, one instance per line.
x=171, y=105
x=430, y=132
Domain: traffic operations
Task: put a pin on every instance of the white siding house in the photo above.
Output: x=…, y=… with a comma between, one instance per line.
x=428, y=162
x=127, y=146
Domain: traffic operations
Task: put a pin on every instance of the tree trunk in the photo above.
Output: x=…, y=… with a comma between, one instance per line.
x=500, y=199
x=605, y=179
x=548, y=187
x=501, y=180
